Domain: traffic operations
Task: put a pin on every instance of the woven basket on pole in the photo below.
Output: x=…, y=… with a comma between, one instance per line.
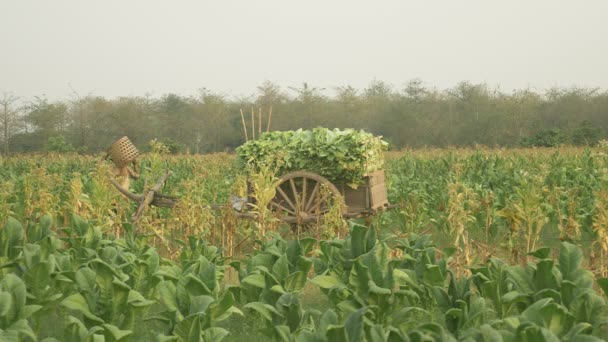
x=122, y=152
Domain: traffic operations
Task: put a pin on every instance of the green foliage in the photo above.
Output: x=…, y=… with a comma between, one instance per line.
x=173, y=146
x=104, y=289
x=339, y=155
x=58, y=144
x=546, y=138
x=587, y=134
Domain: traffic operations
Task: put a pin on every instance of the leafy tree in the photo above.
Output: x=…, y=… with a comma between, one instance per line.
x=587, y=134
x=47, y=118
x=546, y=138
x=59, y=144
x=9, y=119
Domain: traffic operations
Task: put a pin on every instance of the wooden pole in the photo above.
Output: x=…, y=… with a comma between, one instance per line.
x=269, y=117
x=260, y=121
x=244, y=126
x=252, y=124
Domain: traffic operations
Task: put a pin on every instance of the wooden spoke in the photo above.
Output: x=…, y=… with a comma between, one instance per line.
x=314, y=193
x=280, y=207
x=286, y=198
x=300, y=199
x=304, y=182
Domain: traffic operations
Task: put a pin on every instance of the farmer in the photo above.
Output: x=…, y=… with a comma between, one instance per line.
x=123, y=153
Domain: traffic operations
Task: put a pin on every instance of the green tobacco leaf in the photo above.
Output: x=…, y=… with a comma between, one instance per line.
x=6, y=302
x=375, y=289
x=189, y=329
x=283, y=333
x=16, y=288
x=137, y=299
x=116, y=333
x=214, y=334
x=354, y=325
x=77, y=302
x=357, y=239
x=293, y=252
x=359, y=278
x=550, y=315
x=541, y=253
x=256, y=280
x=326, y=282
x=219, y=310
x=570, y=258
x=336, y=333
x=543, y=277
x=521, y=279
x=167, y=292
x=17, y=331
x=432, y=275
x=85, y=279
x=327, y=319
x=265, y=310
x=603, y=283
x=295, y=282
x=200, y=304
x=12, y=236
x=378, y=263
x=28, y=310
x=281, y=268
x=196, y=286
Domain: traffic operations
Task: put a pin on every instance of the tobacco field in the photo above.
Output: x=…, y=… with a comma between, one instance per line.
x=485, y=245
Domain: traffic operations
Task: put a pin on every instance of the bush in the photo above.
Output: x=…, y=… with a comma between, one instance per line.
x=58, y=144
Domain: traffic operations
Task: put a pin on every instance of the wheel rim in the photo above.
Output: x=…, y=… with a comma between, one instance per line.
x=303, y=197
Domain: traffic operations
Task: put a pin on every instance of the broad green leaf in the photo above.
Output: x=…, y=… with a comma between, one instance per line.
x=200, y=304
x=28, y=310
x=17, y=331
x=521, y=279
x=295, y=282
x=281, y=268
x=375, y=289
x=195, y=286
x=570, y=258
x=189, y=329
x=354, y=325
x=256, y=280
x=16, y=288
x=219, y=309
x=603, y=283
x=283, y=333
x=77, y=302
x=326, y=282
x=214, y=334
x=167, y=293
x=264, y=310
x=116, y=333
x=6, y=302
x=541, y=253
x=136, y=299
x=543, y=277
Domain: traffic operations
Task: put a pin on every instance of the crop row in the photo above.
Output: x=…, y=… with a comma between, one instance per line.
x=78, y=284
x=504, y=203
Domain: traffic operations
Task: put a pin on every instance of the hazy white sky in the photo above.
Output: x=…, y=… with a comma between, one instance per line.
x=129, y=48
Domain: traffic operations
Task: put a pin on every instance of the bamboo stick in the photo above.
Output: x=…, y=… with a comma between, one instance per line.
x=269, y=117
x=259, y=121
x=244, y=126
x=252, y=124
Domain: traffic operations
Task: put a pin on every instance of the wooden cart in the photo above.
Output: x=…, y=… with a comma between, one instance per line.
x=301, y=197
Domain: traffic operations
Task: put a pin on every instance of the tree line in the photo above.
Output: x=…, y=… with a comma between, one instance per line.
x=413, y=116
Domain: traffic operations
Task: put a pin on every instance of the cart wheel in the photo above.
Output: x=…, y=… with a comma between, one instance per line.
x=303, y=197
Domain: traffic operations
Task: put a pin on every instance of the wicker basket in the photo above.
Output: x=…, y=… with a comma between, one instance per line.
x=122, y=152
